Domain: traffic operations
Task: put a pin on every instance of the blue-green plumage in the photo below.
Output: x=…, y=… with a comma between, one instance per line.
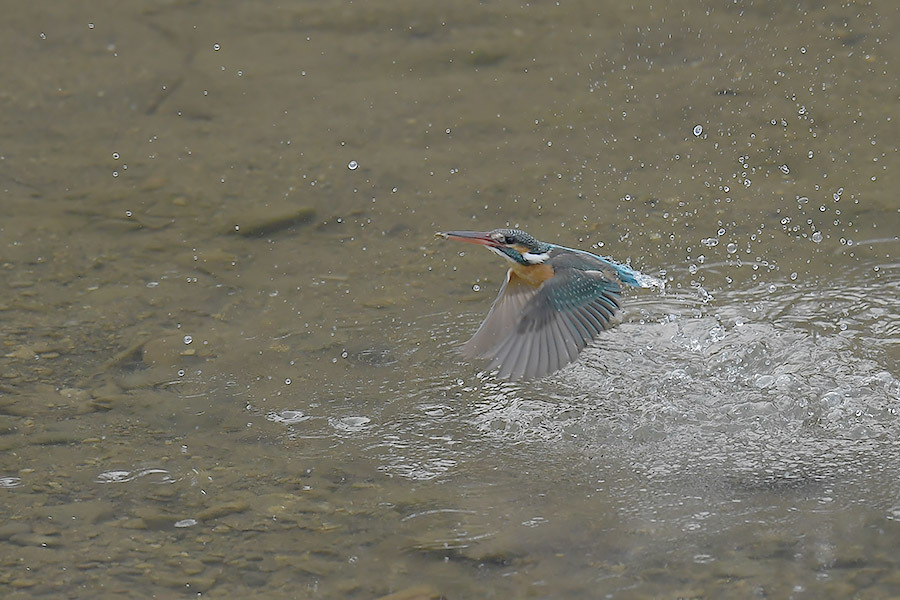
x=554, y=302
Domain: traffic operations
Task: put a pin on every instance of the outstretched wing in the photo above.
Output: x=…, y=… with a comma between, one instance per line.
x=502, y=318
x=553, y=323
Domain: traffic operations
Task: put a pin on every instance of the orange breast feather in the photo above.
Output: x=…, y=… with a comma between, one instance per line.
x=533, y=274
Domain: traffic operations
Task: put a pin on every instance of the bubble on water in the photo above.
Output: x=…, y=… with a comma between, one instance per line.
x=832, y=399
x=731, y=247
x=709, y=242
x=698, y=130
x=817, y=236
x=216, y=47
x=287, y=381
x=353, y=165
x=188, y=339
x=794, y=276
x=476, y=288
x=764, y=381
x=785, y=169
x=721, y=231
x=783, y=380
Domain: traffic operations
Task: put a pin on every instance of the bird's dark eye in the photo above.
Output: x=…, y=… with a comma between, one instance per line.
x=508, y=240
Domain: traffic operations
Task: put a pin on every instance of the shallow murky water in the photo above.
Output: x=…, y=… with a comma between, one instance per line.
x=228, y=333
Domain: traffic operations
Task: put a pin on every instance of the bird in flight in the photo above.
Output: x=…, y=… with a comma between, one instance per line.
x=554, y=302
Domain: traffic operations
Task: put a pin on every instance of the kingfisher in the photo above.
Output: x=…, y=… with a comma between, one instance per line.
x=554, y=302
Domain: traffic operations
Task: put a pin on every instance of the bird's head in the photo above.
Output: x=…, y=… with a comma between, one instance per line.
x=513, y=244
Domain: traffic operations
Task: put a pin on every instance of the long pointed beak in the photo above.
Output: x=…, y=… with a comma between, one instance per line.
x=482, y=238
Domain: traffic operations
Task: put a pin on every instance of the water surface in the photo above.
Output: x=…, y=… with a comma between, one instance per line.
x=228, y=332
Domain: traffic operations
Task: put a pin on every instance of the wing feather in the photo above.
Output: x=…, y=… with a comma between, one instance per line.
x=546, y=327
x=503, y=317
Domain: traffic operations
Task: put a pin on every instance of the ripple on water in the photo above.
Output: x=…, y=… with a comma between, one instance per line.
x=287, y=416
x=126, y=476
x=763, y=390
x=351, y=424
x=10, y=482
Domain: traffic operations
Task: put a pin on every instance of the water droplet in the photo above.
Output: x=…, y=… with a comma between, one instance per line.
x=794, y=276
x=216, y=47
x=181, y=372
x=698, y=130
x=352, y=165
x=188, y=339
x=785, y=169
x=43, y=36
x=287, y=381
x=817, y=236
x=476, y=288
x=731, y=247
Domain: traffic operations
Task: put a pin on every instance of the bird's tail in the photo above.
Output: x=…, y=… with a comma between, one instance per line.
x=626, y=274
x=634, y=277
